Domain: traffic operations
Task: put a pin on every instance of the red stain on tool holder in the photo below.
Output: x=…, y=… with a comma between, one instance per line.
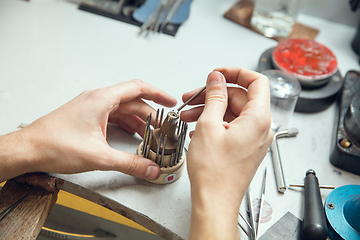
x=304, y=59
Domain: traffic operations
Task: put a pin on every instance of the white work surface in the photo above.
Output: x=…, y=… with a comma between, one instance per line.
x=50, y=52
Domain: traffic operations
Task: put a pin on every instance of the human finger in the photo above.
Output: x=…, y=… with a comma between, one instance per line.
x=234, y=93
x=216, y=98
x=130, y=123
x=134, y=107
x=127, y=91
x=200, y=99
x=237, y=99
x=191, y=115
x=257, y=85
x=132, y=164
x=241, y=76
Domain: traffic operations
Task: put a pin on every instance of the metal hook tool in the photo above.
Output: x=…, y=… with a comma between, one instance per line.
x=190, y=99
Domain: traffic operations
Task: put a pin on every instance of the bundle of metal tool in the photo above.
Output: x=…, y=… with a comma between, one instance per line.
x=164, y=144
x=161, y=16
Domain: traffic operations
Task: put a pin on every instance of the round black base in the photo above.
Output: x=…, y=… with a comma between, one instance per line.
x=311, y=100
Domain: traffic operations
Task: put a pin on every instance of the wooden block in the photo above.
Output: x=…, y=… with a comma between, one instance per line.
x=241, y=14
x=23, y=210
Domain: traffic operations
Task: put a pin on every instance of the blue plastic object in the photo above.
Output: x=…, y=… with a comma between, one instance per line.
x=144, y=11
x=342, y=209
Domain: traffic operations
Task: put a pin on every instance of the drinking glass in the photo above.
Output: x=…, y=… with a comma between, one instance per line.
x=275, y=18
x=284, y=93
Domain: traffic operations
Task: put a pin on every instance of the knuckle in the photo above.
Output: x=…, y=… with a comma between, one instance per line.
x=132, y=165
x=137, y=84
x=93, y=94
x=218, y=97
x=206, y=123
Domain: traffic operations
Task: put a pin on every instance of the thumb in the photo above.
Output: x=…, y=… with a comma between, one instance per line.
x=133, y=165
x=216, y=97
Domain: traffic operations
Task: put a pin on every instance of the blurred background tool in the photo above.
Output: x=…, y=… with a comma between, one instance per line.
x=345, y=148
x=342, y=209
x=167, y=18
x=275, y=155
x=155, y=15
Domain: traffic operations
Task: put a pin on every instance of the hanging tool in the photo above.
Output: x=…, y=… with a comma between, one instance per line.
x=275, y=155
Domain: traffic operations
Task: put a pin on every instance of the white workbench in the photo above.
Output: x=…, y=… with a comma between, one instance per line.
x=50, y=51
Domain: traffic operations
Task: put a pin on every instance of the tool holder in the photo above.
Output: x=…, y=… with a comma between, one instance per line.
x=164, y=144
x=108, y=9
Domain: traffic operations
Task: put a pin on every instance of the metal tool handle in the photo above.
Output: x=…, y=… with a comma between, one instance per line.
x=314, y=224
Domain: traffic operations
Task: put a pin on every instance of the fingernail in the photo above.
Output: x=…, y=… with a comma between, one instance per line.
x=152, y=173
x=215, y=78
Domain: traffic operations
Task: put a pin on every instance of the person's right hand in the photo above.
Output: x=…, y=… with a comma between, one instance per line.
x=223, y=158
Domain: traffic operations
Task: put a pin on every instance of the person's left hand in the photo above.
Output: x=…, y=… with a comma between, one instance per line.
x=72, y=138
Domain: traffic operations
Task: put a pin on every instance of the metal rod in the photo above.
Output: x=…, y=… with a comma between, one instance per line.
x=190, y=99
x=242, y=228
x=178, y=130
x=320, y=186
x=181, y=143
x=146, y=139
x=145, y=135
x=178, y=148
x=158, y=149
x=251, y=214
x=275, y=155
x=171, y=13
x=163, y=151
x=183, y=139
x=156, y=118
x=261, y=204
x=247, y=223
x=172, y=159
x=148, y=147
x=161, y=117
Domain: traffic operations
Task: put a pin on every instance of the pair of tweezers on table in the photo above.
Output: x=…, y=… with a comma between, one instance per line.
x=253, y=233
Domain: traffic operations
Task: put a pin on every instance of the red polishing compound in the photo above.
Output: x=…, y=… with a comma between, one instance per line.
x=304, y=59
